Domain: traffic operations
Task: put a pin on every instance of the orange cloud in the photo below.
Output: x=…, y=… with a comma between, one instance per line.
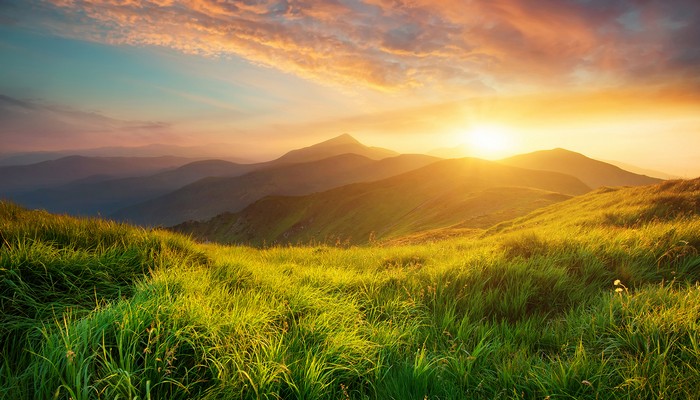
x=395, y=44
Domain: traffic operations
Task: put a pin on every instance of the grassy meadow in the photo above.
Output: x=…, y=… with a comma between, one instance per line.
x=596, y=297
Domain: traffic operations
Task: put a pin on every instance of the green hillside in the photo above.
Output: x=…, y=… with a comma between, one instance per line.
x=209, y=197
x=459, y=193
x=596, y=297
x=592, y=172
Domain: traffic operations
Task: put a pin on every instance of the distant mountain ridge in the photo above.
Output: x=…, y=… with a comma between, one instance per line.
x=592, y=172
x=211, y=196
x=171, y=190
x=211, y=151
x=460, y=193
x=343, y=144
x=105, y=197
x=74, y=168
x=87, y=188
x=642, y=171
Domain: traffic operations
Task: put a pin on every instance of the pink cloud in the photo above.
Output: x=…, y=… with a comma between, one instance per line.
x=39, y=125
x=394, y=44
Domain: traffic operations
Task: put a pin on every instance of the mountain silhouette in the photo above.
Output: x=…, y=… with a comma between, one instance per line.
x=592, y=172
x=74, y=168
x=449, y=193
x=105, y=197
x=343, y=144
x=211, y=196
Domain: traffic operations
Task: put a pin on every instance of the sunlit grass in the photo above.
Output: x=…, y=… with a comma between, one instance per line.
x=93, y=309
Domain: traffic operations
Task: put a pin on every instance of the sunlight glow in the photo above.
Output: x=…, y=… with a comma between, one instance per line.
x=489, y=140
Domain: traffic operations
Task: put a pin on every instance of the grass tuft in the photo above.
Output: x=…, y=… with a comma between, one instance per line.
x=594, y=298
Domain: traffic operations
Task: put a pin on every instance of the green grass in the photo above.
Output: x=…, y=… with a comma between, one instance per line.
x=453, y=194
x=528, y=309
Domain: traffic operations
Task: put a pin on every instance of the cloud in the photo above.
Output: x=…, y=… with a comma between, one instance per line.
x=559, y=112
x=395, y=44
x=35, y=124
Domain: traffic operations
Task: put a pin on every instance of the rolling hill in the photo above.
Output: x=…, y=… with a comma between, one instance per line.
x=592, y=172
x=456, y=193
x=205, y=152
x=74, y=168
x=615, y=208
x=595, y=297
x=82, y=185
x=642, y=171
x=108, y=196
x=211, y=196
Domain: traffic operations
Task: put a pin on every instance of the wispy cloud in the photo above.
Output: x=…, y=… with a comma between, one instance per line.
x=35, y=124
x=394, y=44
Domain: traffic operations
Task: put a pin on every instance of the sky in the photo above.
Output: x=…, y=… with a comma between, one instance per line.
x=612, y=79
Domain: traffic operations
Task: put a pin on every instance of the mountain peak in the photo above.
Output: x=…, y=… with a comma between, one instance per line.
x=338, y=145
x=560, y=151
x=345, y=138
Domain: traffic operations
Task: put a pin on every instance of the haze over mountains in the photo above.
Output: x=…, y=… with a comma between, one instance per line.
x=209, y=197
x=55, y=185
x=343, y=144
x=211, y=151
x=344, y=190
x=108, y=196
x=592, y=172
x=456, y=193
x=74, y=168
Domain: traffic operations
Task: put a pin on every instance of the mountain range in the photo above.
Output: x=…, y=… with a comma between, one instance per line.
x=456, y=193
x=211, y=196
x=592, y=172
x=211, y=151
x=105, y=197
x=61, y=185
x=71, y=169
x=336, y=190
x=343, y=144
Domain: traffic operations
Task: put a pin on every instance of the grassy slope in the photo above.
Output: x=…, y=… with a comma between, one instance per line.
x=592, y=172
x=460, y=193
x=528, y=310
x=355, y=216
x=211, y=196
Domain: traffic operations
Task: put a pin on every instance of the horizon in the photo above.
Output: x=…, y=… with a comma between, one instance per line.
x=610, y=81
x=214, y=151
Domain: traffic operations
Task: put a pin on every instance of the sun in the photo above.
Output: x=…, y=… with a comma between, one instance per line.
x=489, y=140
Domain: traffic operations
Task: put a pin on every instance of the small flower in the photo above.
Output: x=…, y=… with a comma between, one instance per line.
x=587, y=383
x=618, y=290
x=70, y=355
x=617, y=282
